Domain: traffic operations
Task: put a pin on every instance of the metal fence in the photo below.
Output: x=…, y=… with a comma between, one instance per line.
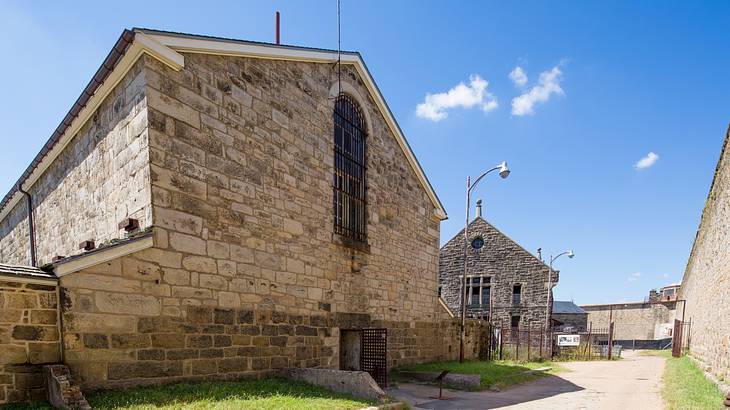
x=523, y=344
x=593, y=344
x=537, y=343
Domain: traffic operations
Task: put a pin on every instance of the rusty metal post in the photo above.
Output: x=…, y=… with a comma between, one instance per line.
x=590, y=344
x=501, y=341
x=278, y=28
x=610, y=340
x=677, y=339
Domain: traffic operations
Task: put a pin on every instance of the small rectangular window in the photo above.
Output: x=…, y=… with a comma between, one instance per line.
x=516, y=294
x=515, y=321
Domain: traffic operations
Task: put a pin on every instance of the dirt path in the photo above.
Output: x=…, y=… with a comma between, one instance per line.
x=631, y=383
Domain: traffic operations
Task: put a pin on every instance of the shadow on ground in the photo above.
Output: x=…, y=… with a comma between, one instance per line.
x=423, y=396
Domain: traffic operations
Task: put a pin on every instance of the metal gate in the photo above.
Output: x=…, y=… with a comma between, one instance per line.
x=374, y=354
x=680, y=337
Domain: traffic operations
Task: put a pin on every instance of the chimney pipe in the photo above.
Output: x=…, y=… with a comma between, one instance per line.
x=479, y=208
x=539, y=253
x=278, y=28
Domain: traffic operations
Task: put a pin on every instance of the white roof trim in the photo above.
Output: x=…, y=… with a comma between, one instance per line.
x=103, y=255
x=142, y=44
x=191, y=44
x=165, y=48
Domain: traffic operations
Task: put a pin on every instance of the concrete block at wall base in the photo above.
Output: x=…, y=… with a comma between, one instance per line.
x=456, y=380
x=355, y=383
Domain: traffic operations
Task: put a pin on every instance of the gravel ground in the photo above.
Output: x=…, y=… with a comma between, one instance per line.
x=633, y=382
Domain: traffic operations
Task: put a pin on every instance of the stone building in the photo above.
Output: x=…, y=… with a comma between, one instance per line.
x=216, y=208
x=704, y=286
x=634, y=320
x=502, y=277
x=568, y=317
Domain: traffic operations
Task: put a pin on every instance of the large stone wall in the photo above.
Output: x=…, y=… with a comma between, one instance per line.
x=246, y=275
x=704, y=286
x=242, y=165
x=508, y=264
x=14, y=238
x=29, y=338
x=100, y=178
x=632, y=321
x=133, y=321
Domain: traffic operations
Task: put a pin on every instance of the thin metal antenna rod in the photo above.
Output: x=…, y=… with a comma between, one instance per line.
x=339, y=49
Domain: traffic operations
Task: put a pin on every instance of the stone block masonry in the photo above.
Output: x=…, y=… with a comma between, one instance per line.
x=241, y=153
x=29, y=338
x=100, y=178
x=126, y=327
x=633, y=321
x=706, y=278
x=505, y=264
x=229, y=162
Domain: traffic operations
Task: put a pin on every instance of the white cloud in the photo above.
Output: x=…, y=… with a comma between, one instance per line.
x=548, y=84
x=649, y=160
x=461, y=96
x=634, y=277
x=518, y=76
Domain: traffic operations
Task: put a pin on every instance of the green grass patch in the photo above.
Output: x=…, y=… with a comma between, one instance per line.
x=685, y=385
x=262, y=394
x=499, y=373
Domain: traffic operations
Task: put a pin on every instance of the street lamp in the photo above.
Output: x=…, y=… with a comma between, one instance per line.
x=503, y=173
x=550, y=284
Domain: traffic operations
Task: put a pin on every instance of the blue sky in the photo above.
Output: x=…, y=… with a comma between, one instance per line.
x=635, y=78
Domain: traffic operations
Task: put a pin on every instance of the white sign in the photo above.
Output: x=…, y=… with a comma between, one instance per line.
x=568, y=340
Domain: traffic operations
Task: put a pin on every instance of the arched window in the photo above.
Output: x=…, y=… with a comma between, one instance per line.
x=349, y=179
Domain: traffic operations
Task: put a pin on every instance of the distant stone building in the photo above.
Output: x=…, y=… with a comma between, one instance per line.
x=634, y=320
x=220, y=208
x=569, y=317
x=503, y=279
x=707, y=275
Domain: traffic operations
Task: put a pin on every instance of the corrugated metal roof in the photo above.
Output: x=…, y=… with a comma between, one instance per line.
x=25, y=271
x=563, y=307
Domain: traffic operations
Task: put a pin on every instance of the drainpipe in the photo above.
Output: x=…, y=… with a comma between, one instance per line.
x=31, y=229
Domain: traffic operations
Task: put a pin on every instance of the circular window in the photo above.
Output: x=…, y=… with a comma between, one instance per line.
x=477, y=243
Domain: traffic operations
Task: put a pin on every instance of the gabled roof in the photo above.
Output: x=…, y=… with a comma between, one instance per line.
x=565, y=307
x=166, y=46
x=479, y=221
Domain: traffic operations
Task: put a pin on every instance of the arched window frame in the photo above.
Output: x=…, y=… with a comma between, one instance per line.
x=350, y=169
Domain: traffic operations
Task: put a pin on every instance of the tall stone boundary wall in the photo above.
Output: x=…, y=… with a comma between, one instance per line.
x=100, y=178
x=706, y=276
x=29, y=338
x=241, y=154
x=131, y=322
x=632, y=320
x=508, y=264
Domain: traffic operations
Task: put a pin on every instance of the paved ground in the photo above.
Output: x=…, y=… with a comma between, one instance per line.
x=633, y=382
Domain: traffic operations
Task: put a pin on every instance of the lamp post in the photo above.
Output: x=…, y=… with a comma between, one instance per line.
x=504, y=173
x=550, y=285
